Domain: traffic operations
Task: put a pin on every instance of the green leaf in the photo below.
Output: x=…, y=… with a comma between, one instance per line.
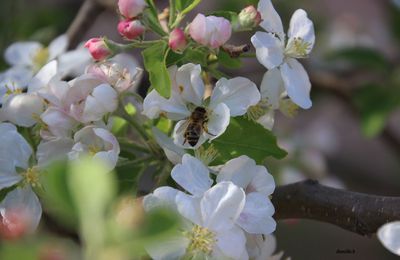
x=150, y=18
x=227, y=61
x=154, y=62
x=245, y=137
x=375, y=103
x=361, y=57
x=57, y=195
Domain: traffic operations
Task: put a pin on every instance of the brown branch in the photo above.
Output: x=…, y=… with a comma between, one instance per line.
x=84, y=19
x=355, y=212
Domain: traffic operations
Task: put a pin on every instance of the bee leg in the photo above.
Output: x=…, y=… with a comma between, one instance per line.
x=205, y=128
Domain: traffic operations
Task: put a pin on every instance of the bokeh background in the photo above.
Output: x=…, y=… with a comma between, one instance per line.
x=350, y=137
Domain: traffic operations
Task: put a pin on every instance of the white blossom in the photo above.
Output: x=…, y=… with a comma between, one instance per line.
x=389, y=235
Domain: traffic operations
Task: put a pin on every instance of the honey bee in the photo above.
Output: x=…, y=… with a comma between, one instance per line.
x=195, y=125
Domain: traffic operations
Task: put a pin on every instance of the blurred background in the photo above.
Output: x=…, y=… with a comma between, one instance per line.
x=349, y=139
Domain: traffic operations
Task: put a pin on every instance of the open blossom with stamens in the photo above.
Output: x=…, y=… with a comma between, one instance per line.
x=210, y=229
x=276, y=53
x=15, y=152
x=98, y=143
x=211, y=31
x=229, y=98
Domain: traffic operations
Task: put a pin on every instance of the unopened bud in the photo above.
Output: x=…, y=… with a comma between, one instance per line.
x=177, y=40
x=249, y=17
x=98, y=48
x=130, y=29
x=131, y=8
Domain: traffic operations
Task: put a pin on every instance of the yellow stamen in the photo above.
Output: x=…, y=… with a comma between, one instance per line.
x=201, y=240
x=31, y=177
x=40, y=58
x=288, y=108
x=297, y=48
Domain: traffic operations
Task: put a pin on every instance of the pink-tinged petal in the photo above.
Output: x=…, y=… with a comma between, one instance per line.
x=221, y=206
x=297, y=83
x=98, y=48
x=210, y=31
x=131, y=29
x=256, y=217
x=238, y=94
x=269, y=49
x=192, y=175
x=271, y=21
x=131, y=8
x=177, y=40
x=103, y=100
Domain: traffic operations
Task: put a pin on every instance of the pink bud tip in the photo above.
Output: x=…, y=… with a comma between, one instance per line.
x=177, y=40
x=131, y=8
x=130, y=29
x=98, y=48
x=249, y=17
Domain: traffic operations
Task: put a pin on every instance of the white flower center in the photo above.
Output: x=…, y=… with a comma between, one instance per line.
x=201, y=240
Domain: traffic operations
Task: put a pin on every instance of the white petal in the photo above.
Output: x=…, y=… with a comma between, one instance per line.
x=272, y=87
x=301, y=27
x=297, y=83
x=232, y=242
x=267, y=120
x=189, y=207
x=58, y=46
x=23, y=109
x=21, y=53
x=269, y=49
x=8, y=176
x=13, y=79
x=25, y=201
x=170, y=248
x=240, y=171
x=53, y=150
x=256, y=217
x=238, y=94
x=192, y=175
x=42, y=78
x=173, y=152
x=103, y=100
x=154, y=104
x=73, y=63
x=189, y=83
x=109, y=158
x=389, y=235
x=262, y=181
x=218, y=121
x=59, y=124
x=221, y=206
x=161, y=197
x=14, y=148
x=271, y=21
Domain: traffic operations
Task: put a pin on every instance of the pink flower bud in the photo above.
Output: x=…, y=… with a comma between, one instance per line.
x=177, y=40
x=210, y=31
x=130, y=29
x=249, y=17
x=131, y=8
x=98, y=48
x=14, y=224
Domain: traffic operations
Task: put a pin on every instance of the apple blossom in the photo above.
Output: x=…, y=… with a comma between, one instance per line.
x=211, y=229
x=273, y=54
x=98, y=48
x=15, y=153
x=211, y=31
x=229, y=98
x=177, y=40
x=131, y=8
x=131, y=29
x=96, y=142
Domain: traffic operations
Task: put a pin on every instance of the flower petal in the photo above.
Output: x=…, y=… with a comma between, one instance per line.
x=269, y=49
x=232, y=242
x=262, y=181
x=21, y=53
x=272, y=87
x=173, y=152
x=42, y=78
x=302, y=27
x=256, y=217
x=189, y=207
x=25, y=201
x=53, y=150
x=389, y=235
x=296, y=82
x=192, y=175
x=238, y=94
x=172, y=247
x=267, y=120
x=161, y=197
x=221, y=206
x=103, y=100
x=271, y=21
x=240, y=171
x=218, y=121
x=23, y=109
x=189, y=83
x=58, y=46
x=14, y=148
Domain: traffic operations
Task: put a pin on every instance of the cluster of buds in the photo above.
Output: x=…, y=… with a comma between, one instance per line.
x=131, y=27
